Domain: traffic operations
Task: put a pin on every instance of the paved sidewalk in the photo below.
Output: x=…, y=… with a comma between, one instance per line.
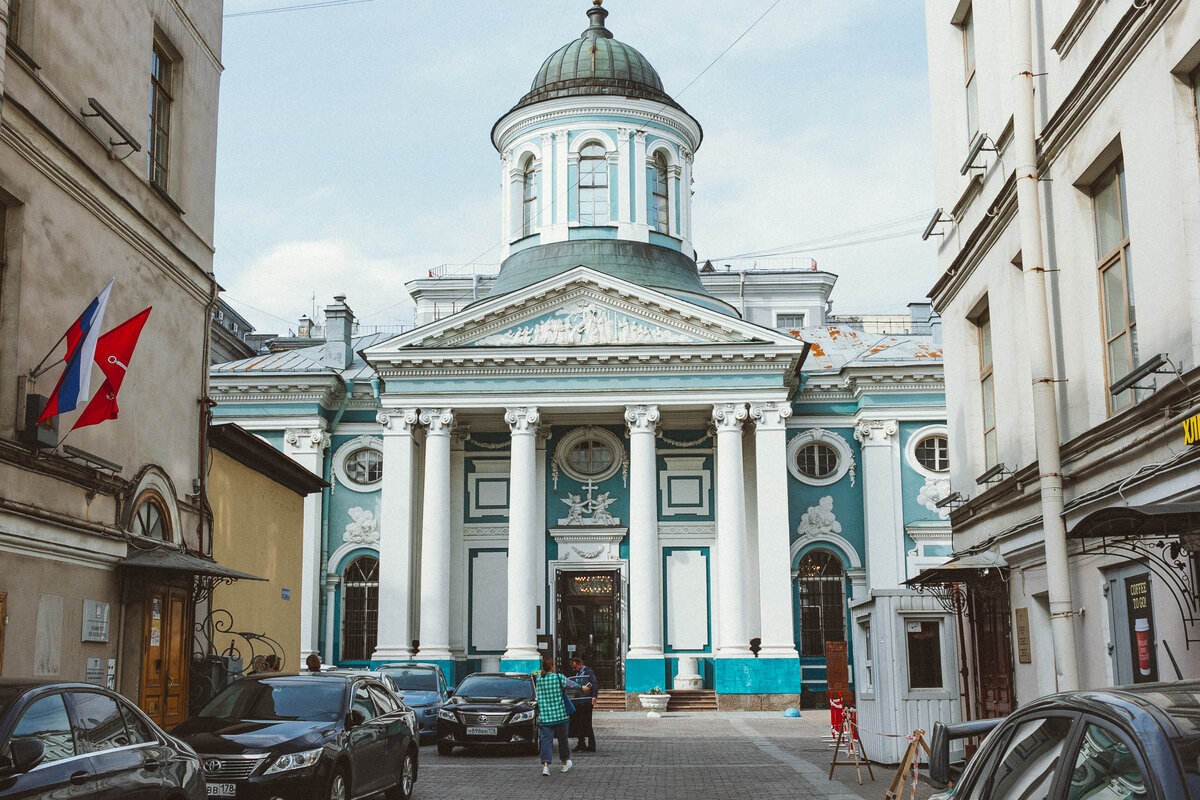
x=734, y=755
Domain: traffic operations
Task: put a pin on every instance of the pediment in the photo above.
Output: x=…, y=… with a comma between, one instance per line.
x=583, y=308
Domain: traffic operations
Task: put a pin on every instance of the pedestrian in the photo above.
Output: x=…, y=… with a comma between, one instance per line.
x=581, y=720
x=553, y=719
x=313, y=662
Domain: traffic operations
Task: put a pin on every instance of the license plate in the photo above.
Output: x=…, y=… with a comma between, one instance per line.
x=222, y=789
x=481, y=730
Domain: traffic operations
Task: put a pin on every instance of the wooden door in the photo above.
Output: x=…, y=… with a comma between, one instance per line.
x=589, y=616
x=166, y=628
x=991, y=633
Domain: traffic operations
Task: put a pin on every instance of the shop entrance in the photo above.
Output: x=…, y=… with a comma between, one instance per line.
x=589, y=623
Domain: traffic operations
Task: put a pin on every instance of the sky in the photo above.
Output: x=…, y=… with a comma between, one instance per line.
x=354, y=152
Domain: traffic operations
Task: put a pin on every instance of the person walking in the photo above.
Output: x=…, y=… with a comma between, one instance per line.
x=553, y=719
x=581, y=720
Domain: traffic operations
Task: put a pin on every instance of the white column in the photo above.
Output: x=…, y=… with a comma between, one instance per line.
x=523, y=535
x=545, y=193
x=306, y=446
x=733, y=640
x=435, y=537
x=639, y=176
x=457, y=591
x=685, y=200
x=560, y=183
x=331, y=584
x=882, y=503
x=774, y=529
x=394, y=636
x=505, y=199
x=645, y=559
x=624, y=159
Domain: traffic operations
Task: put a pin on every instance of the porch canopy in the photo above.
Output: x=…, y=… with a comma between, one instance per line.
x=959, y=569
x=178, y=561
x=1149, y=521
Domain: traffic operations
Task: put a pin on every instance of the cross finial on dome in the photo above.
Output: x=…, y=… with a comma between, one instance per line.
x=596, y=29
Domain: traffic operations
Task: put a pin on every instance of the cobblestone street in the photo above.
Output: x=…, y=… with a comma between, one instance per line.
x=747, y=756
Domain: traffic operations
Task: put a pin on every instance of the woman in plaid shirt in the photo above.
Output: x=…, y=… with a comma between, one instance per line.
x=553, y=719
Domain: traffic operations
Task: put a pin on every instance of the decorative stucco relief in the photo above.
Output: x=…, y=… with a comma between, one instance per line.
x=584, y=322
x=589, y=510
x=819, y=520
x=364, y=529
x=935, y=489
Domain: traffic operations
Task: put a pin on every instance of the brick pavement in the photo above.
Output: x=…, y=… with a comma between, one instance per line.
x=735, y=755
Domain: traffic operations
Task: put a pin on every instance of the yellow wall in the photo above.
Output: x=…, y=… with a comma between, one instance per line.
x=257, y=529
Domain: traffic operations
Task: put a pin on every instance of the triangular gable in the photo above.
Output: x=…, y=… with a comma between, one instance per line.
x=583, y=307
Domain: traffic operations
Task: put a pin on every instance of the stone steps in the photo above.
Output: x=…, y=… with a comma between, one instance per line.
x=692, y=700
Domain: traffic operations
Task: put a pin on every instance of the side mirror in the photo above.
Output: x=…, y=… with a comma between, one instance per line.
x=24, y=755
x=449, y=692
x=355, y=718
x=939, y=756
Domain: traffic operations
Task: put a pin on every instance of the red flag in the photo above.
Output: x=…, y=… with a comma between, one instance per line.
x=113, y=351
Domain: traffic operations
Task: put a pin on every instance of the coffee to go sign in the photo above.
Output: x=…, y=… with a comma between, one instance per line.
x=1191, y=430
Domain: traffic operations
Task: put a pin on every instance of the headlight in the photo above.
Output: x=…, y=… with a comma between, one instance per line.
x=293, y=761
x=524, y=716
x=447, y=715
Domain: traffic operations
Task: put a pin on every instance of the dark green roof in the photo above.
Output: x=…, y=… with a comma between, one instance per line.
x=648, y=265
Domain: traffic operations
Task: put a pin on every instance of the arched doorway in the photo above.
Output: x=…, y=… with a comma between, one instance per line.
x=821, y=623
x=360, y=609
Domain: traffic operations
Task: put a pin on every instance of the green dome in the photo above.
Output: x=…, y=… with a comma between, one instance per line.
x=593, y=64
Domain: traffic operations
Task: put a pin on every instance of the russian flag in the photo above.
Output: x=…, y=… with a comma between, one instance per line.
x=74, y=385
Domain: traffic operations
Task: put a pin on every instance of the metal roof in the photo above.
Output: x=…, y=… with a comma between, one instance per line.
x=314, y=359
x=835, y=347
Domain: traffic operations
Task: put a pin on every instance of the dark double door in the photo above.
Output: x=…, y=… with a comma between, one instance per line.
x=589, y=623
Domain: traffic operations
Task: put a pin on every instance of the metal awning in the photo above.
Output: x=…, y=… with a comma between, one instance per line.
x=1153, y=520
x=959, y=568
x=178, y=561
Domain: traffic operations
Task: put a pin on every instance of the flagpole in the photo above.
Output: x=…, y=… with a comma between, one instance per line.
x=36, y=371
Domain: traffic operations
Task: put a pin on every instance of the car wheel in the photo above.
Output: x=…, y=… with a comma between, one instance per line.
x=445, y=749
x=338, y=790
x=406, y=779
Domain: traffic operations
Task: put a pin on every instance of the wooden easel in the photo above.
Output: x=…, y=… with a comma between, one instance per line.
x=851, y=738
x=906, y=763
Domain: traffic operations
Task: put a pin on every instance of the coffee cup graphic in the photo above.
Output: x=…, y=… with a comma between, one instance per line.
x=1141, y=629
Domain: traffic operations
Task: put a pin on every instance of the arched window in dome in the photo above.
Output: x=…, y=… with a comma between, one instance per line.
x=528, y=198
x=656, y=180
x=593, y=185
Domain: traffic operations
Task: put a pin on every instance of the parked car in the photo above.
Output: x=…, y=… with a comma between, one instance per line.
x=424, y=689
x=62, y=740
x=323, y=735
x=488, y=709
x=1131, y=742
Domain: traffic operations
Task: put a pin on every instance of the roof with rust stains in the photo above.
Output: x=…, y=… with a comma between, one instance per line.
x=313, y=359
x=835, y=347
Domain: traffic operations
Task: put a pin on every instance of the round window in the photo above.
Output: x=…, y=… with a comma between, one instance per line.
x=591, y=457
x=589, y=454
x=933, y=453
x=817, y=460
x=364, y=466
x=149, y=521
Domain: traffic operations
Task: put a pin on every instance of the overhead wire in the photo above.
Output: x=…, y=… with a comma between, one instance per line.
x=295, y=7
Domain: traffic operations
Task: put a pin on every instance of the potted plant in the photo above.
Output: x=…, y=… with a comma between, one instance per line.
x=655, y=699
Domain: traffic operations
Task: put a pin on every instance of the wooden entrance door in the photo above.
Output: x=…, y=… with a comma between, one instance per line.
x=589, y=623
x=991, y=640
x=166, y=635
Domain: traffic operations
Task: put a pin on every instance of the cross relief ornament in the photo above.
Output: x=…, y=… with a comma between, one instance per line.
x=589, y=511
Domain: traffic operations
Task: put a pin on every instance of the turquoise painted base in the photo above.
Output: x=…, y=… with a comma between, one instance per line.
x=519, y=664
x=643, y=674
x=757, y=676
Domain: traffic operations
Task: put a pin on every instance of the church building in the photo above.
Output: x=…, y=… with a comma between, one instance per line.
x=690, y=477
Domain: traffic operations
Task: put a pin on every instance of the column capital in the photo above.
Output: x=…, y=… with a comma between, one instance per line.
x=546, y=137
x=437, y=421
x=306, y=440
x=623, y=134
x=641, y=419
x=398, y=420
x=875, y=431
x=729, y=416
x=522, y=419
x=639, y=136
x=770, y=416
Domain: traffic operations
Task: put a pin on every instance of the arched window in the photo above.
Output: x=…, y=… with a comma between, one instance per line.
x=360, y=608
x=656, y=178
x=593, y=185
x=528, y=198
x=150, y=520
x=820, y=586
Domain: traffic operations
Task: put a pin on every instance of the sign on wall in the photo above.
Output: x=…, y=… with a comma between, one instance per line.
x=1024, y=651
x=1140, y=612
x=95, y=621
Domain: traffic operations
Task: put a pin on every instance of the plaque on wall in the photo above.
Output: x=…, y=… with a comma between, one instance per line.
x=95, y=621
x=1024, y=653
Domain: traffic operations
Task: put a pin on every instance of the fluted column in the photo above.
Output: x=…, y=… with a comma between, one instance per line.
x=396, y=515
x=523, y=535
x=774, y=560
x=645, y=562
x=732, y=638
x=435, y=537
x=306, y=446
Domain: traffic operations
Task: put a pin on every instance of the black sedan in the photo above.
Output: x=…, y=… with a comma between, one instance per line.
x=316, y=736
x=1127, y=743
x=490, y=708
x=78, y=740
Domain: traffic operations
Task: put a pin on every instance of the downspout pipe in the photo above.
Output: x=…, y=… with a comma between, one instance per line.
x=1037, y=321
x=326, y=496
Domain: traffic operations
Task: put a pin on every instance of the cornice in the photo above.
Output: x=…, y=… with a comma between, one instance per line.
x=585, y=365
x=983, y=238
x=518, y=122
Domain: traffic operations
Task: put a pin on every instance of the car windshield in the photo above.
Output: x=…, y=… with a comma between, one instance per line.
x=495, y=686
x=272, y=700
x=1188, y=750
x=412, y=680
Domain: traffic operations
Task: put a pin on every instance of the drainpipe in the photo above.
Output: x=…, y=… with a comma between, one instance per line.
x=1037, y=318
x=326, y=496
x=742, y=292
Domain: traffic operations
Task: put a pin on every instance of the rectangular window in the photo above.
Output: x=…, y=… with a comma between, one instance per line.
x=789, y=321
x=14, y=21
x=868, y=662
x=987, y=388
x=972, y=92
x=924, y=654
x=158, y=150
x=1115, y=265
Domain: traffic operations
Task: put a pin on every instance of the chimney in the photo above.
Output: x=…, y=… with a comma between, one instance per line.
x=919, y=315
x=339, y=324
